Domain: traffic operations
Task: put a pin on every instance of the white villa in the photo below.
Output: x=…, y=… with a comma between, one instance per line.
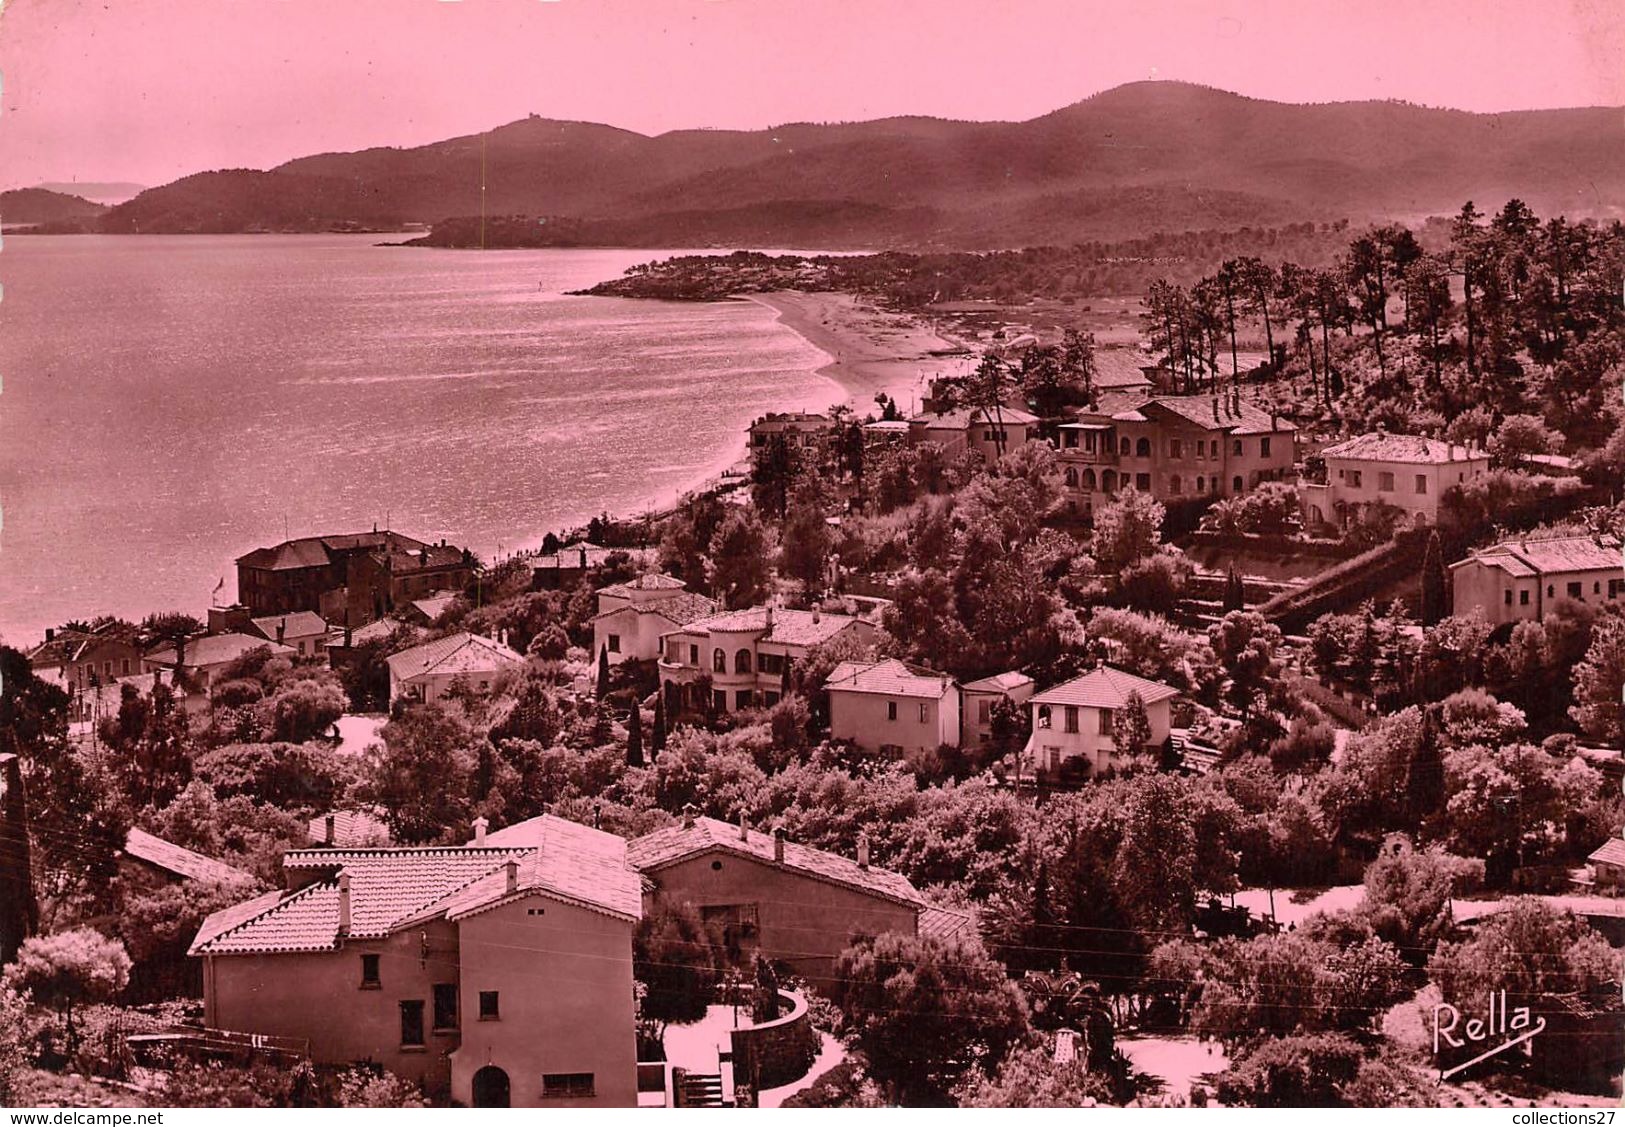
x=888, y=706
x=633, y=616
x=1074, y=720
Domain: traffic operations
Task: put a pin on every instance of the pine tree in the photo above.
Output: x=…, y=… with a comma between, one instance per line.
x=1433, y=582
x=634, y=736
x=603, y=672
x=657, y=734
x=1235, y=595
x=19, y=911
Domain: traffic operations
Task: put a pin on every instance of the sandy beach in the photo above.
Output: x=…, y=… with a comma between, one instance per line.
x=871, y=350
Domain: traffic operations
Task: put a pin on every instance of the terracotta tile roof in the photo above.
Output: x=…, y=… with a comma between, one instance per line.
x=457, y=653
x=790, y=627
x=1551, y=555
x=888, y=678
x=945, y=923
x=351, y=829
x=1610, y=852
x=648, y=581
x=1219, y=413
x=1121, y=368
x=998, y=683
x=375, y=631
x=300, y=624
x=965, y=417
x=1408, y=449
x=393, y=888
x=680, y=610
x=318, y=551
x=675, y=843
x=179, y=860
x=217, y=649
x=1105, y=687
x=435, y=605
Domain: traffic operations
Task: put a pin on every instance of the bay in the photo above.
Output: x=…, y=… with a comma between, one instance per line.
x=169, y=403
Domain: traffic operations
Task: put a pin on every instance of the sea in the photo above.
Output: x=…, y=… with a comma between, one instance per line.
x=170, y=403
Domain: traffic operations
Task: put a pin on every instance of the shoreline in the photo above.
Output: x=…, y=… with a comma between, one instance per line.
x=871, y=351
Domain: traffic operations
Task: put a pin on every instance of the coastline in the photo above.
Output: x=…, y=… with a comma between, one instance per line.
x=871, y=351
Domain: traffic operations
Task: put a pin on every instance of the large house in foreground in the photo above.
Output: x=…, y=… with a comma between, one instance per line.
x=761, y=894
x=1406, y=471
x=497, y=973
x=1072, y=722
x=1519, y=580
x=745, y=655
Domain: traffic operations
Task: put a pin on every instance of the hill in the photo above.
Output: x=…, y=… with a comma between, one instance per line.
x=29, y=206
x=1139, y=158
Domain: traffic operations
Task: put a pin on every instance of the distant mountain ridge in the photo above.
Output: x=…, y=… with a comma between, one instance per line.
x=1138, y=158
x=28, y=206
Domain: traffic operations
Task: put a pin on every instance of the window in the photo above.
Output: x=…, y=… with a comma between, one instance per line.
x=1175, y=485
x=1235, y=448
x=1615, y=586
x=891, y=710
x=1354, y=479
x=489, y=1009
x=1071, y=718
x=1576, y=590
x=1088, y=481
x=1213, y=448
x=1551, y=591
x=567, y=1086
x=925, y=712
x=719, y=700
x=1523, y=598
x=1125, y=448
x=1071, y=477
x=984, y=709
x=1264, y=447
x=742, y=661
x=719, y=661
x=1176, y=448
x=742, y=699
x=1237, y=485
x=614, y=643
x=694, y=655
x=1421, y=484
x=411, y=1023
x=1105, y=721
x=1385, y=482
x=769, y=699
x=369, y=972
x=1043, y=718
x=1201, y=483
x=126, y=666
x=1142, y=448
x=445, y=1005
x=1508, y=594
x=1142, y=482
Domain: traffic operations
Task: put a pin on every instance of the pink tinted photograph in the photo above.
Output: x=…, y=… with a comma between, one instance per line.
x=835, y=554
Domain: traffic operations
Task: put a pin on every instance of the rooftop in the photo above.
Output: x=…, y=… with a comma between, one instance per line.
x=1610, y=852
x=393, y=888
x=300, y=624
x=998, y=683
x=179, y=860
x=963, y=417
x=318, y=551
x=1407, y=449
x=1105, y=687
x=1219, y=413
x=675, y=843
x=681, y=609
x=890, y=678
x=217, y=649
x=457, y=653
x=1121, y=368
x=775, y=624
x=1551, y=555
x=648, y=581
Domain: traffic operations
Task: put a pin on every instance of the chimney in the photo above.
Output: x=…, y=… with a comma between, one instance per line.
x=778, y=844
x=583, y=558
x=327, y=830
x=744, y=827
x=281, y=630
x=511, y=877
x=180, y=654
x=597, y=815
x=50, y=634
x=1215, y=408
x=347, y=636
x=481, y=824
x=815, y=613
x=863, y=851
x=344, y=904
x=769, y=618
x=688, y=816
x=157, y=676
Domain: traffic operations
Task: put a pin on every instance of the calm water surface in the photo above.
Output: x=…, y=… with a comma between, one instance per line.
x=171, y=402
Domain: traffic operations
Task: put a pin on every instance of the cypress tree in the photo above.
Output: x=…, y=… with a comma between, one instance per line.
x=603, y=672
x=657, y=735
x=634, y=736
x=1433, y=582
x=19, y=911
x=1424, y=781
x=1235, y=595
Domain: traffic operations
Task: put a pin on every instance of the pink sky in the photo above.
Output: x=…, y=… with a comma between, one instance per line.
x=148, y=90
